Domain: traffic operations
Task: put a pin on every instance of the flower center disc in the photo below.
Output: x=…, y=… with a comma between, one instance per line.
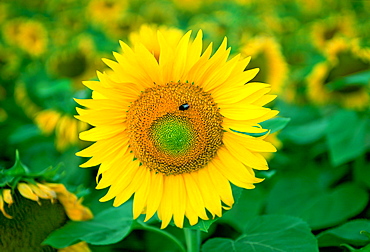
x=174, y=128
x=172, y=135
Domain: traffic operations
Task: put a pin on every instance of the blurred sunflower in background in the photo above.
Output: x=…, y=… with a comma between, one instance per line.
x=266, y=55
x=344, y=59
x=172, y=122
x=323, y=31
x=28, y=35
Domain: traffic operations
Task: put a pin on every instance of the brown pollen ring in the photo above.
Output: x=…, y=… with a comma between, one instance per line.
x=160, y=104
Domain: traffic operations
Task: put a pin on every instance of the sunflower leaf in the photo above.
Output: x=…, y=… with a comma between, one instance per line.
x=108, y=227
x=275, y=124
x=269, y=233
x=18, y=169
x=356, y=79
x=350, y=233
x=318, y=205
x=345, y=143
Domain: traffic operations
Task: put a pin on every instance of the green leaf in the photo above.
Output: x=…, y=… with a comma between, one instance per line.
x=345, y=136
x=269, y=233
x=319, y=206
x=307, y=132
x=349, y=233
x=218, y=245
x=249, y=205
x=18, y=169
x=275, y=124
x=364, y=249
x=356, y=79
x=108, y=227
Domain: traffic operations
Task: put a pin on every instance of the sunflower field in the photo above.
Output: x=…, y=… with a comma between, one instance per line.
x=182, y=125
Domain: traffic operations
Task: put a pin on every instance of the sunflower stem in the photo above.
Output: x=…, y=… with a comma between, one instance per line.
x=192, y=238
x=164, y=233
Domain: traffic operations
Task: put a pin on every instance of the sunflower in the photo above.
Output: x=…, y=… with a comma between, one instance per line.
x=266, y=53
x=104, y=12
x=32, y=211
x=24, y=101
x=344, y=58
x=272, y=138
x=323, y=31
x=49, y=121
x=75, y=62
x=29, y=35
x=65, y=127
x=165, y=129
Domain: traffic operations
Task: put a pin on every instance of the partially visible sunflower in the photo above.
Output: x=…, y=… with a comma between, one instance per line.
x=344, y=58
x=31, y=210
x=128, y=23
x=66, y=127
x=29, y=35
x=163, y=129
x=103, y=12
x=159, y=12
x=24, y=101
x=266, y=54
x=49, y=121
x=10, y=63
x=188, y=5
x=323, y=31
x=272, y=138
x=76, y=62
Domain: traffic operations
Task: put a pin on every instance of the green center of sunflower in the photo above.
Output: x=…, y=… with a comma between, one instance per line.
x=172, y=135
x=174, y=128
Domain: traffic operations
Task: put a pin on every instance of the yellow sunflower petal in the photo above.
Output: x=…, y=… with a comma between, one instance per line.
x=255, y=144
x=179, y=200
x=243, y=112
x=26, y=191
x=243, y=154
x=2, y=208
x=141, y=194
x=236, y=94
x=102, y=132
x=195, y=198
x=211, y=201
x=234, y=170
x=165, y=210
x=242, y=126
x=102, y=117
x=155, y=194
x=221, y=185
x=7, y=196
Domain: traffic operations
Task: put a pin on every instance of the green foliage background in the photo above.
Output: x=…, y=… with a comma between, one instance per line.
x=316, y=193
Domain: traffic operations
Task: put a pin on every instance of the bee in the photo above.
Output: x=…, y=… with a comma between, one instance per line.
x=184, y=106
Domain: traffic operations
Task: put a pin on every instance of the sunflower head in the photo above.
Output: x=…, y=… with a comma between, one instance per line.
x=266, y=54
x=344, y=58
x=31, y=210
x=165, y=128
x=103, y=12
x=64, y=126
x=323, y=31
x=29, y=35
